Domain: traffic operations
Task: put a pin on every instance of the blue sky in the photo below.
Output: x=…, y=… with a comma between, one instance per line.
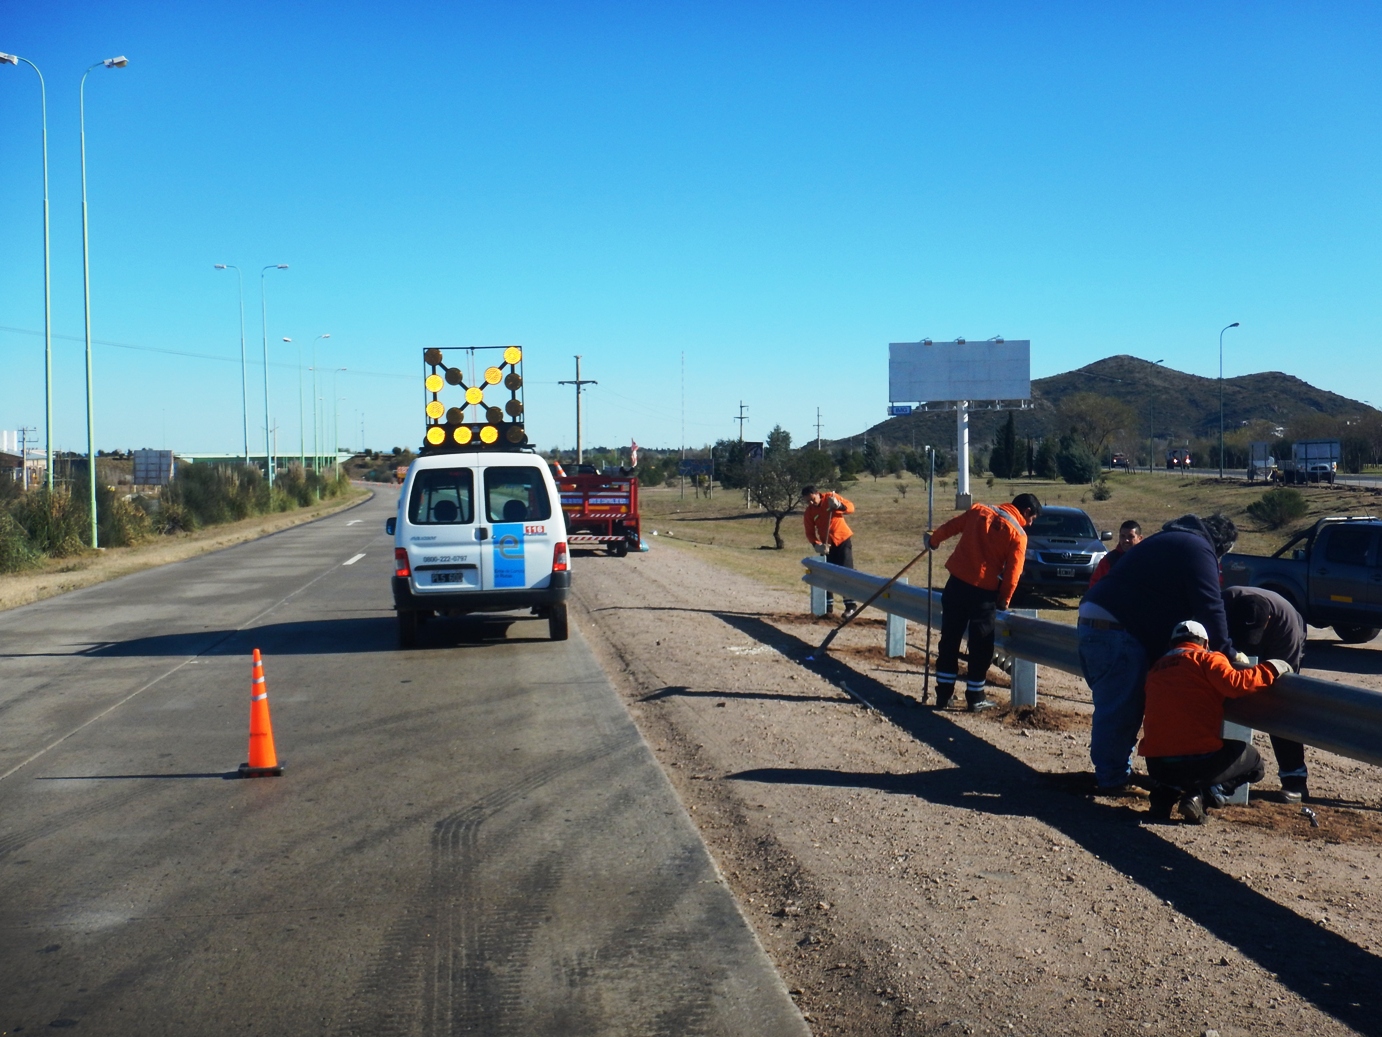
x=774, y=191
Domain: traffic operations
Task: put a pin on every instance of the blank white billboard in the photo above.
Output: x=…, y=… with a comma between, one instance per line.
x=921, y=372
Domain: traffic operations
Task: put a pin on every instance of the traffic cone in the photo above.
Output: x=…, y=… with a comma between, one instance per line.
x=263, y=761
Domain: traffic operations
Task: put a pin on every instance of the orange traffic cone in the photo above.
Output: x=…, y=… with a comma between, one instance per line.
x=263, y=761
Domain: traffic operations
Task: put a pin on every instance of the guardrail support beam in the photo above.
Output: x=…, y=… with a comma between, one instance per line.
x=897, y=633
x=1024, y=675
x=818, y=601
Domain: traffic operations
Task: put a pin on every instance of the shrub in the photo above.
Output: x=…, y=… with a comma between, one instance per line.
x=1278, y=507
x=1075, y=463
x=1102, y=490
x=15, y=550
x=57, y=523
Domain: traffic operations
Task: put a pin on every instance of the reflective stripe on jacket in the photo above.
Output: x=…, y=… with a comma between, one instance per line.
x=825, y=525
x=992, y=548
x=1186, y=689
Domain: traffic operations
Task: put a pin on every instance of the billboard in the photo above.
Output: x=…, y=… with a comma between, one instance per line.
x=153, y=467
x=921, y=372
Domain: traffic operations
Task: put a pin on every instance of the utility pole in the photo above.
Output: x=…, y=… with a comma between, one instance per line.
x=579, y=381
x=681, y=468
x=818, y=428
x=741, y=419
x=24, y=456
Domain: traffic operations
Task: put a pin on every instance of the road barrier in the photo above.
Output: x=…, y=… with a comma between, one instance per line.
x=1337, y=717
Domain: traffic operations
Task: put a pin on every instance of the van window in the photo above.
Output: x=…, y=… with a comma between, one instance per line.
x=1349, y=545
x=442, y=496
x=516, y=494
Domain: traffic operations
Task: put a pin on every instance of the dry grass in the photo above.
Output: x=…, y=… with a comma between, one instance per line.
x=888, y=526
x=60, y=575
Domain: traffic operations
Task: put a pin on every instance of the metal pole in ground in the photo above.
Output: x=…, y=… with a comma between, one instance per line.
x=930, y=505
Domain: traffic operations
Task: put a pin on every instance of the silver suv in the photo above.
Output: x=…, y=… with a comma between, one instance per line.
x=1063, y=547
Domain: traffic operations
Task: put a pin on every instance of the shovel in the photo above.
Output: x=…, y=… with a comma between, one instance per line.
x=872, y=598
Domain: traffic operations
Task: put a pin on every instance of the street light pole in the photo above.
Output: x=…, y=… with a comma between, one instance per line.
x=335, y=422
x=302, y=427
x=15, y=59
x=244, y=375
x=117, y=62
x=316, y=443
x=1221, y=397
x=264, y=318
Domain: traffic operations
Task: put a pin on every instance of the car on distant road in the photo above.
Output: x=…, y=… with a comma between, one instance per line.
x=1120, y=461
x=1063, y=547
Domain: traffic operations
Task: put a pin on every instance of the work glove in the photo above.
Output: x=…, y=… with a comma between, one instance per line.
x=822, y=549
x=1239, y=661
x=833, y=503
x=1281, y=666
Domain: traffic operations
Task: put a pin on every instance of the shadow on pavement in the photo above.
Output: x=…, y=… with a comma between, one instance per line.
x=1329, y=970
x=324, y=637
x=1341, y=658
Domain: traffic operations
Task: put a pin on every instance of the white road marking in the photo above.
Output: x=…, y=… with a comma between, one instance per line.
x=354, y=522
x=352, y=561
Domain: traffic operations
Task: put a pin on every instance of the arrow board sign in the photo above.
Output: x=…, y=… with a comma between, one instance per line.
x=922, y=372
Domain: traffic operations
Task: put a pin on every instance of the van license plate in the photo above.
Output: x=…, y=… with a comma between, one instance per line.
x=452, y=577
x=1065, y=573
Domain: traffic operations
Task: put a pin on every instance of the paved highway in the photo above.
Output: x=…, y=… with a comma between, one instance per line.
x=470, y=837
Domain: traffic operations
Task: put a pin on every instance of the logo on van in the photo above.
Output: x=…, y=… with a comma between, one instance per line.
x=508, y=555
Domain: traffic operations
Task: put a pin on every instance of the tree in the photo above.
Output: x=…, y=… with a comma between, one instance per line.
x=1075, y=462
x=729, y=463
x=779, y=441
x=1093, y=419
x=1004, y=460
x=1044, y=463
x=774, y=482
x=874, y=461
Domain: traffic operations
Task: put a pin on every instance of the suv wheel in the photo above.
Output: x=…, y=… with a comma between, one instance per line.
x=1351, y=634
x=407, y=628
x=557, y=627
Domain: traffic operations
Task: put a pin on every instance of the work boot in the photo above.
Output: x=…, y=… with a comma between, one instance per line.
x=1192, y=808
x=944, y=693
x=850, y=605
x=978, y=705
x=1293, y=788
x=1163, y=799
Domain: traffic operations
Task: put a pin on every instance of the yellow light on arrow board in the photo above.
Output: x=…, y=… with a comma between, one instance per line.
x=474, y=395
x=435, y=409
x=434, y=383
x=489, y=434
x=462, y=435
x=493, y=375
x=435, y=435
x=513, y=355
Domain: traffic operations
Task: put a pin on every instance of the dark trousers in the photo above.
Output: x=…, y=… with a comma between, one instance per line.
x=1229, y=767
x=840, y=554
x=965, y=609
x=1290, y=758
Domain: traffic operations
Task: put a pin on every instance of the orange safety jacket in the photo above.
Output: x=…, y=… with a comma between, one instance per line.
x=992, y=548
x=1186, y=689
x=825, y=525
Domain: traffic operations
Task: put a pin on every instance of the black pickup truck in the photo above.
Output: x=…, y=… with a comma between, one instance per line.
x=1331, y=573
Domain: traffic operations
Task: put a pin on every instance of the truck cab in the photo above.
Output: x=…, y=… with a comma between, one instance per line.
x=1331, y=573
x=479, y=532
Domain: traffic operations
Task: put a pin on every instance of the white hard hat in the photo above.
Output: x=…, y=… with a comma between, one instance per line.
x=1190, y=629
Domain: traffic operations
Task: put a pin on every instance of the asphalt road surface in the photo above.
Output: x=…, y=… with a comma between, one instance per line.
x=470, y=837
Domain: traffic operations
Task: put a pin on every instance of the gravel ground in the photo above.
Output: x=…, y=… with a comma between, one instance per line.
x=916, y=872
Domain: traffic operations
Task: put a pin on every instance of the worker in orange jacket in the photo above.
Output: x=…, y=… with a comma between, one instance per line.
x=984, y=571
x=1182, y=740
x=828, y=532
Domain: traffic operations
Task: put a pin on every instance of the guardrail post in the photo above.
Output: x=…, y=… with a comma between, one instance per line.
x=818, y=601
x=1024, y=675
x=897, y=633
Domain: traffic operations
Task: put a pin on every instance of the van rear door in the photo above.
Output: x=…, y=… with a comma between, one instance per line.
x=519, y=508
x=441, y=531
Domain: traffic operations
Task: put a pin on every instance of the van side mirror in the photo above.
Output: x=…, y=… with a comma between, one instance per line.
x=390, y=525
x=1106, y=534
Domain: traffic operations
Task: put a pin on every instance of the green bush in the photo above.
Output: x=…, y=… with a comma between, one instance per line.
x=1102, y=490
x=1075, y=463
x=205, y=495
x=57, y=524
x=1278, y=507
x=16, y=552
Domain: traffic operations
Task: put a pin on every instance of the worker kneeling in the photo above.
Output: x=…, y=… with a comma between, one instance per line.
x=1183, y=727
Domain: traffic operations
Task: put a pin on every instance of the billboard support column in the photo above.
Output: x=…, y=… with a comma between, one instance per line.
x=962, y=496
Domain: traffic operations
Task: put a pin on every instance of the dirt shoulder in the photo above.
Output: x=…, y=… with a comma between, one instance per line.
x=60, y=575
x=916, y=872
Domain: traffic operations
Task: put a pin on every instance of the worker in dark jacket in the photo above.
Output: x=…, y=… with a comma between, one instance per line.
x=1183, y=742
x=1126, y=620
x=1129, y=536
x=984, y=570
x=1263, y=623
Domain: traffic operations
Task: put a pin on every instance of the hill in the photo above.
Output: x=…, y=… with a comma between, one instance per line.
x=1170, y=403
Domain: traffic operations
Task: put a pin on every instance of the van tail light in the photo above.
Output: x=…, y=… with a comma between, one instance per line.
x=559, y=557
x=400, y=562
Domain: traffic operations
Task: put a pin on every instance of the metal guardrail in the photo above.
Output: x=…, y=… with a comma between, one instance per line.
x=1340, y=718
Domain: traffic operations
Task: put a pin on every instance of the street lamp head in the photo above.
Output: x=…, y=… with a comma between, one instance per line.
x=1234, y=324
x=286, y=339
x=8, y=59
x=283, y=266
x=119, y=62
x=219, y=266
x=324, y=336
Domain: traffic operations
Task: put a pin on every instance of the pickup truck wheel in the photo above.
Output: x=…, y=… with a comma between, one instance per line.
x=557, y=628
x=407, y=628
x=1355, y=635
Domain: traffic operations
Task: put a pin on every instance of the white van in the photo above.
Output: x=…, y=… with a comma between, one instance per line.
x=479, y=531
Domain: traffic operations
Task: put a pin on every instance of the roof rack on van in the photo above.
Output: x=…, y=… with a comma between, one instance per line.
x=476, y=424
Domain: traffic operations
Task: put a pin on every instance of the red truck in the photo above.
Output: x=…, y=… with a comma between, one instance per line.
x=600, y=510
